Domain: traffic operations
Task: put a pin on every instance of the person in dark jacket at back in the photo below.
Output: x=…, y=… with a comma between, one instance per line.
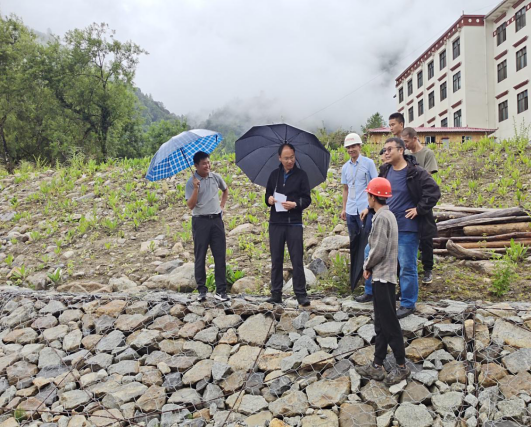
x=415, y=193
x=291, y=183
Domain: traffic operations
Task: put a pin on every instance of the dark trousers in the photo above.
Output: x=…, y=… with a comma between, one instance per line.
x=355, y=228
x=426, y=253
x=209, y=232
x=386, y=325
x=279, y=235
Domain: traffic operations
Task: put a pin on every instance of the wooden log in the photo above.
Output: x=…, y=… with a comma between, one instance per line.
x=447, y=215
x=458, y=251
x=479, y=218
x=494, y=244
x=497, y=229
x=449, y=207
x=444, y=252
x=503, y=237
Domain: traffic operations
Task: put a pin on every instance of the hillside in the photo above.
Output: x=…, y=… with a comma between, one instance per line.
x=102, y=227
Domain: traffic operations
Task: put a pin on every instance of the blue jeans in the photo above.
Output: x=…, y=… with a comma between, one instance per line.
x=408, y=246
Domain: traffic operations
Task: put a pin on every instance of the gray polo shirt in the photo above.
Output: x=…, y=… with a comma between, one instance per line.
x=208, y=197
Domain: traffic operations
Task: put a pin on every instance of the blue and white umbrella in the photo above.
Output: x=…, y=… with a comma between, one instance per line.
x=178, y=153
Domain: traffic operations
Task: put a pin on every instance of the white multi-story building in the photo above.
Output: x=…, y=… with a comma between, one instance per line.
x=474, y=75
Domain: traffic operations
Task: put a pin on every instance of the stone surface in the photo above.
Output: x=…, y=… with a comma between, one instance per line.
x=325, y=393
x=512, y=335
x=291, y=404
x=411, y=415
x=256, y=329
x=357, y=415
x=422, y=347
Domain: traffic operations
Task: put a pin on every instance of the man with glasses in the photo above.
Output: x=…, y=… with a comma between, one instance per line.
x=288, y=194
x=415, y=193
x=426, y=159
x=355, y=177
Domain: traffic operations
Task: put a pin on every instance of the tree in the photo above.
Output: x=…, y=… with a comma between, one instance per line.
x=91, y=76
x=375, y=121
x=160, y=132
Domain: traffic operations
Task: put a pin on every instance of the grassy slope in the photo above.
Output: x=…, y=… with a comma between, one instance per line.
x=104, y=233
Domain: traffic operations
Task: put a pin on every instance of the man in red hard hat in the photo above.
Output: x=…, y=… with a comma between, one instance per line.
x=381, y=264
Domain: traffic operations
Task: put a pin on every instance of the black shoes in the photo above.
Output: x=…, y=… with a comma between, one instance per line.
x=202, y=297
x=222, y=297
x=404, y=312
x=275, y=298
x=364, y=298
x=303, y=301
x=428, y=277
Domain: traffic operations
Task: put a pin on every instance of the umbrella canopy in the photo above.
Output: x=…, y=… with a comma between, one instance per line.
x=257, y=152
x=178, y=153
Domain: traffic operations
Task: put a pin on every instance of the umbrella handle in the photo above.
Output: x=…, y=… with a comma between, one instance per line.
x=186, y=158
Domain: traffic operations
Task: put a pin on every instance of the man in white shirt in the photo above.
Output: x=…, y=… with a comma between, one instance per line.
x=355, y=176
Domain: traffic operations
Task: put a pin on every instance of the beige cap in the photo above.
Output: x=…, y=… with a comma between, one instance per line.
x=352, y=139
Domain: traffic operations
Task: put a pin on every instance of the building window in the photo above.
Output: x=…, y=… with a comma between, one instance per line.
x=457, y=81
x=431, y=70
x=421, y=107
x=410, y=114
x=401, y=95
x=443, y=91
x=431, y=99
x=466, y=138
x=444, y=123
x=502, y=70
x=521, y=59
x=456, y=46
x=409, y=87
x=457, y=118
x=522, y=101
x=501, y=33
x=419, y=79
x=429, y=139
x=520, y=19
x=442, y=59
x=503, y=111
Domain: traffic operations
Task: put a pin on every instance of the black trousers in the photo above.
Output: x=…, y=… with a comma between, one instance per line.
x=209, y=232
x=426, y=253
x=279, y=235
x=386, y=325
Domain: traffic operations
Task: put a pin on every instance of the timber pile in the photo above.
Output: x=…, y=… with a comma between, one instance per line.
x=473, y=233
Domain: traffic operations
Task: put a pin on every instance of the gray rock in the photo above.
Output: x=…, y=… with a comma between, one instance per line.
x=128, y=354
x=412, y=325
x=441, y=330
x=367, y=332
x=47, y=394
x=225, y=322
x=53, y=371
x=355, y=381
x=103, y=324
x=315, y=321
x=208, y=335
x=220, y=371
x=519, y=361
x=427, y=377
x=447, y=403
x=318, y=267
x=327, y=343
x=252, y=404
x=49, y=357
x=280, y=385
x=123, y=394
x=341, y=368
x=291, y=404
x=173, y=381
x=127, y=367
x=294, y=361
x=185, y=396
x=159, y=310
x=300, y=321
x=99, y=361
x=282, y=342
x=214, y=394
x=54, y=307
x=305, y=343
x=411, y=415
x=440, y=355
x=255, y=329
x=347, y=345
x=173, y=415
x=74, y=399
x=328, y=329
x=255, y=383
x=19, y=316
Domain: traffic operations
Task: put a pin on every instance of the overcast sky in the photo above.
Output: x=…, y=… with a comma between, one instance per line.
x=304, y=61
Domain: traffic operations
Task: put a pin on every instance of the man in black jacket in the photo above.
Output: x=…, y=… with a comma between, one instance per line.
x=285, y=222
x=415, y=193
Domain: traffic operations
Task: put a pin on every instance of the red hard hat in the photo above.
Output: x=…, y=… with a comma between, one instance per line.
x=380, y=187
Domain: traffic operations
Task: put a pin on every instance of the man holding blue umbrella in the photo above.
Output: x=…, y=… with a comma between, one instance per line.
x=202, y=197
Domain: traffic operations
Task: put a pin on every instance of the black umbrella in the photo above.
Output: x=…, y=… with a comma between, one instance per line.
x=257, y=152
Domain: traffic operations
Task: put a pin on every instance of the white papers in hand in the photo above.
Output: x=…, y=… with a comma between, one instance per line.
x=279, y=198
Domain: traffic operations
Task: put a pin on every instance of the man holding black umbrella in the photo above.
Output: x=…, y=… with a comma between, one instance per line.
x=288, y=194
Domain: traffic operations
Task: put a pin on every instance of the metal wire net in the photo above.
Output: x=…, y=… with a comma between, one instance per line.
x=165, y=360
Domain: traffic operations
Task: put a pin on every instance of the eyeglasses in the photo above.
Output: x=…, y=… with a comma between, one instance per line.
x=389, y=149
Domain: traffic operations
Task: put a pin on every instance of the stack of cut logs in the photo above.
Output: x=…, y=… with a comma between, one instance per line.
x=473, y=233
